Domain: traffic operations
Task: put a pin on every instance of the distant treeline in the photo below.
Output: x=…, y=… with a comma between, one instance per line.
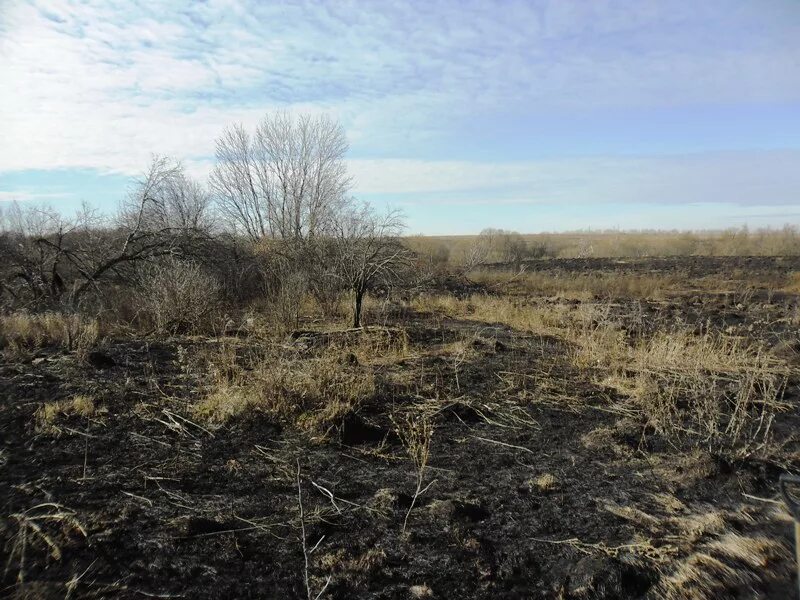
x=497, y=245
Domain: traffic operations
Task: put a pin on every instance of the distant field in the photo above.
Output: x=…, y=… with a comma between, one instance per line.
x=510, y=246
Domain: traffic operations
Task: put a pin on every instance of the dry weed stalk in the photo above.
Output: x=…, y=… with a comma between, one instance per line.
x=306, y=551
x=31, y=533
x=416, y=434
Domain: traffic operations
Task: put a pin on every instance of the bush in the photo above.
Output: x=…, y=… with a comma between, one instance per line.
x=178, y=296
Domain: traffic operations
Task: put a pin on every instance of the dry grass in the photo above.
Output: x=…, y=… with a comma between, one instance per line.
x=22, y=332
x=351, y=569
x=622, y=244
x=517, y=313
x=41, y=529
x=370, y=345
x=546, y=482
x=697, y=551
x=731, y=562
x=580, y=286
x=48, y=414
x=708, y=390
x=603, y=439
x=420, y=591
x=315, y=393
x=444, y=304
x=711, y=390
x=792, y=283
x=225, y=402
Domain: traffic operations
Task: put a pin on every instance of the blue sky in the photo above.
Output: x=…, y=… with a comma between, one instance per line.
x=530, y=115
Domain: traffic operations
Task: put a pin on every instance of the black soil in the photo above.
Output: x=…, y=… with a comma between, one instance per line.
x=518, y=507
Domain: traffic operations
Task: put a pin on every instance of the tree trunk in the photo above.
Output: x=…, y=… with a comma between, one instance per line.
x=357, y=310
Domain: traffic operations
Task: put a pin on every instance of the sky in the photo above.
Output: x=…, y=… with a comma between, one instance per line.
x=523, y=115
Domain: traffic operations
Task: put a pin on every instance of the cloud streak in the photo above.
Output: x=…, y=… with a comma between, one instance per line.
x=102, y=85
x=737, y=178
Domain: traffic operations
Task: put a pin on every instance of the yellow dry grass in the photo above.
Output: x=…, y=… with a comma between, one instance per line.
x=581, y=286
x=624, y=244
x=731, y=561
x=712, y=389
x=49, y=413
x=21, y=332
x=315, y=393
x=518, y=313
x=545, y=482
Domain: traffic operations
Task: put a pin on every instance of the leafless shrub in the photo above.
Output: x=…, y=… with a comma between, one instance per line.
x=327, y=289
x=178, y=296
x=288, y=301
x=479, y=251
x=416, y=434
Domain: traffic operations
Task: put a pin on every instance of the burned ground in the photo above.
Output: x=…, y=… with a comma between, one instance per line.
x=542, y=481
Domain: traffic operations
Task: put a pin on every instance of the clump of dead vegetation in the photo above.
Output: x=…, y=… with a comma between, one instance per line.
x=416, y=433
x=708, y=390
x=701, y=552
x=49, y=414
x=22, y=332
x=179, y=296
x=703, y=389
x=316, y=393
x=43, y=529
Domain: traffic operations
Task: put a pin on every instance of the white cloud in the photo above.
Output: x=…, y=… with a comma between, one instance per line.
x=26, y=196
x=102, y=85
x=742, y=177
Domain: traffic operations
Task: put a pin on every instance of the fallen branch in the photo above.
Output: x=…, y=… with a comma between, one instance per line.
x=303, y=543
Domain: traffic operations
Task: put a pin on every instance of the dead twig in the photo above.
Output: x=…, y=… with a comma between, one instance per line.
x=505, y=444
x=306, y=552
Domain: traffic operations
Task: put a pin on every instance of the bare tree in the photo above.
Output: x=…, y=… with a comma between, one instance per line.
x=514, y=248
x=287, y=181
x=152, y=222
x=160, y=217
x=173, y=200
x=479, y=250
x=31, y=269
x=368, y=251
